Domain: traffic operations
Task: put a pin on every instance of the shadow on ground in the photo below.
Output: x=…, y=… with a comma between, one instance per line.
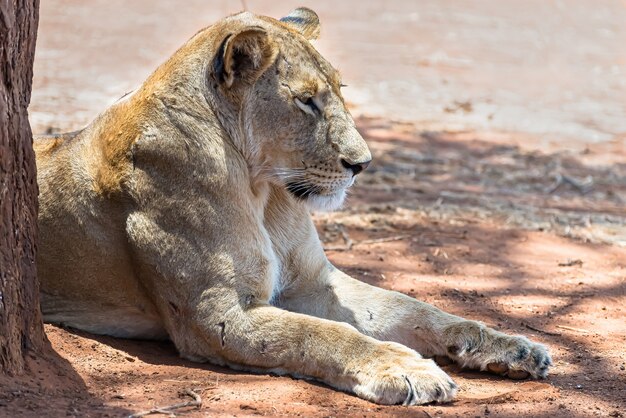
x=51, y=387
x=493, y=232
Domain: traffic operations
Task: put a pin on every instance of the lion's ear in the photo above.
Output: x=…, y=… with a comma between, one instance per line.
x=305, y=21
x=242, y=57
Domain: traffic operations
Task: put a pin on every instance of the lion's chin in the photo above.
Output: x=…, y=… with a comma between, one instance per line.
x=325, y=203
x=314, y=198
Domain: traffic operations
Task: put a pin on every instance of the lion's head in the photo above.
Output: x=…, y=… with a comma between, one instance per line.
x=295, y=128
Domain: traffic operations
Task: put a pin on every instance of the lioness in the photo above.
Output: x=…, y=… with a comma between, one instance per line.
x=182, y=212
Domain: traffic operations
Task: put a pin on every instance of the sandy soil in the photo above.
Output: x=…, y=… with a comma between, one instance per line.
x=517, y=219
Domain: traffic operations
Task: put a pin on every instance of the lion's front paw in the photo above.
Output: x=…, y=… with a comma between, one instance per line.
x=398, y=375
x=473, y=345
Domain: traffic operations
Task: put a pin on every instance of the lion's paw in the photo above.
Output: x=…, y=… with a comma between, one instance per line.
x=520, y=358
x=473, y=345
x=399, y=375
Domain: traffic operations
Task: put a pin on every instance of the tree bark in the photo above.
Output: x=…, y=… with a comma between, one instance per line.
x=21, y=328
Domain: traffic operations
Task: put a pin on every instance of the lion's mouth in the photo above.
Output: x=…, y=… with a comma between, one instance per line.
x=302, y=190
x=316, y=197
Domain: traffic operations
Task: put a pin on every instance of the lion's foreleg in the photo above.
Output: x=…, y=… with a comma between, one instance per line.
x=259, y=337
x=392, y=316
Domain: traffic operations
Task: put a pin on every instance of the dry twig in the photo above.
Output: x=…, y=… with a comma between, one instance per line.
x=350, y=243
x=379, y=240
x=197, y=402
x=346, y=238
x=570, y=263
x=556, y=334
x=573, y=329
x=195, y=382
x=583, y=186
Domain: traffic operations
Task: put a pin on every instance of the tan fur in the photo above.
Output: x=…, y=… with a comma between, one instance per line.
x=181, y=212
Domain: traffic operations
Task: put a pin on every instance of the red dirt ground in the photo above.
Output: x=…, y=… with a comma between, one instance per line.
x=521, y=227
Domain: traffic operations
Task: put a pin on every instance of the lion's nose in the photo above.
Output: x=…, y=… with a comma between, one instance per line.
x=356, y=167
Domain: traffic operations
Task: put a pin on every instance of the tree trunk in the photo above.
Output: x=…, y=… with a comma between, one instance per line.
x=21, y=328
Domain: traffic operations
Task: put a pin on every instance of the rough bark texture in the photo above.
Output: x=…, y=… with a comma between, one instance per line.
x=21, y=329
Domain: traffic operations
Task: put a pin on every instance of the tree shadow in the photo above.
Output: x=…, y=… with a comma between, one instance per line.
x=559, y=189
x=163, y=353
x=51, y=387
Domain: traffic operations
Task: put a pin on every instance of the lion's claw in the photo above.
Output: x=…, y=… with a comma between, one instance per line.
x=399, y=375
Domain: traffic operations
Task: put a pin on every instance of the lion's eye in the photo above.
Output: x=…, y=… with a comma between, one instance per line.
x=308, y=106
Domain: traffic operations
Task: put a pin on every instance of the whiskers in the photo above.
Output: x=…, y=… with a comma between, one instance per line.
x=302, y=189
x=294, y=179
x=317, y=193
x=298, y=182
x=281, y=175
